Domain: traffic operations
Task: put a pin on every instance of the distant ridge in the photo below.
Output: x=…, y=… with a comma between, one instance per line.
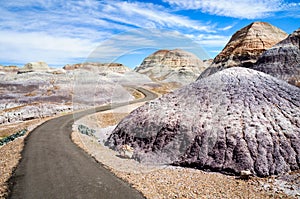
x=103, y=67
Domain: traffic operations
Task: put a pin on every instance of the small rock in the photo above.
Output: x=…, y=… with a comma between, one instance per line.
x=245, y=174
x=126, y=151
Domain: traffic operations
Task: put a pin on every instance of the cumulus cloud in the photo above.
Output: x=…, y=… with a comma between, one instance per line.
x=249, y=9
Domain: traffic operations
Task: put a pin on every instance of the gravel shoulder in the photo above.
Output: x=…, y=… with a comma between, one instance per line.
x=167, y=181
x=11, y=152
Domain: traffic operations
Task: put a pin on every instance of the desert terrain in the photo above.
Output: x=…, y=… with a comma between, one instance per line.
x=175, y=126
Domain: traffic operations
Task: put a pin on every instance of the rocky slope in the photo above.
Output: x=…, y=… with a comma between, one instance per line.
x=245, y=46
x=283, y=60
x=234, y=120
x=172, y=66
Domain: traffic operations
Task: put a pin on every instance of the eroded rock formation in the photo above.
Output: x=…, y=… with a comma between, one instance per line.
x=101, y=67
x=245, y=46
x=9, y=69
x=172, y=66
x=234, y=120
x=34, y=67
x=41, y=94
x=283, y=60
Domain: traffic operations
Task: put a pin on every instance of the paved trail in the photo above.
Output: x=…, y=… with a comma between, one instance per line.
x=52, y=166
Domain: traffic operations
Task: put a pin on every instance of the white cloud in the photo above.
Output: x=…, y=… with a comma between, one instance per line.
x=38, y=46
x=59, y=31
x=210, y=40
x=148, y=15
x=249, y=9
x=105, y=14
x=226, y=28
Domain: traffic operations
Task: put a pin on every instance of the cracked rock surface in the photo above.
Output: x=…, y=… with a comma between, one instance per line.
x=233, y=120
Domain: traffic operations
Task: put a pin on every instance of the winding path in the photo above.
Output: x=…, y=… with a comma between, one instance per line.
x=52, y=166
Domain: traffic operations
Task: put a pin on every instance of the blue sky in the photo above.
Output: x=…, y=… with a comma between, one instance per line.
x=66, y=32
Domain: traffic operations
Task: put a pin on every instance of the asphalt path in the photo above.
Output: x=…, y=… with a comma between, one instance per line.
x=52, y=166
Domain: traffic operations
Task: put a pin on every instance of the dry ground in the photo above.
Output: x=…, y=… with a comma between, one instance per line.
x=163, y=88
x=8, y=129
x=170, y=182
x=174, y=182
x=136, y=94
x=11, y=152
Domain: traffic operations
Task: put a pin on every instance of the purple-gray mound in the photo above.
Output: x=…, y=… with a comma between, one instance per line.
x=282, y=60
x=233, y=120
